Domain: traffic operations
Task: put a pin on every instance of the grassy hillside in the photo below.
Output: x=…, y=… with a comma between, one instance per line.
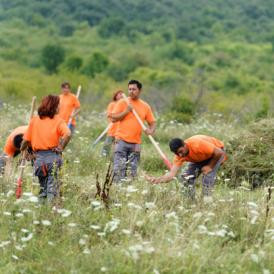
x=218, y=57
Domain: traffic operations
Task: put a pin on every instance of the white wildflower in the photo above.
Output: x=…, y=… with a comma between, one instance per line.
x=101, y=234
x=126, y=231
x=254, y=258
x=24, y=230
x=202, y=229
x=82, y=242
x=155, y=271
x=131, y=189
x=118, y=205
x=14, y=257
x=72, y=225
x=171, y=215
x=4, y=243
x=27, y=194
x=10, y=193
x=208, y=199
x=252, y=204
x=35, y=222
x=150, y=205
x=26, y=210
x=86, y=251
x=197, y=215
x=18, y=247
x=95, y=227
x=28, y=238
x=112, y=225
x=6, y=213
x=104, y=269
x=46, y=222
x=33, y=199
x=221, y=233
x=139, y=223
x=144, y=192
x=19, y=215
x=64, y=212
x=51, y=243
x=132, y=205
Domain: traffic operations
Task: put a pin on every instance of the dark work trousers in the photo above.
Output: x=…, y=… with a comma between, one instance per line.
x=126, y=156
x=192, y=173
x=47, y=166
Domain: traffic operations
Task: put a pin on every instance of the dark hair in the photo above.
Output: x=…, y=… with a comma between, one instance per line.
x=175, y=144
x=64, y=84
x=18, y=140
x=135, y=82
x=115, y=95
x=49, y=106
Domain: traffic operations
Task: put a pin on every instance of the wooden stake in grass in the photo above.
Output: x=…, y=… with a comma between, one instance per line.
x=23, y=161
x=73, y=112
x=157, y=147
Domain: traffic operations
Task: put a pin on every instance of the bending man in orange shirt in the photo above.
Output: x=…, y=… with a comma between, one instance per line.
x=205, y=154
x=12, y=147
x=111, y=132
x=48, y=135
x=69, y=105
x=129, y=131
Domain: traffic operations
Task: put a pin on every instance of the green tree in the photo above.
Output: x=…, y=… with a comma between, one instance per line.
x=52, y=57
x=74, y=63
x=97, y=63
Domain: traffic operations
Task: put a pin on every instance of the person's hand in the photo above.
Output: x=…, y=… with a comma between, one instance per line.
x=129, y=108
x=151, y=179
x=58, y=150
x=149, y=131
x=206, y=169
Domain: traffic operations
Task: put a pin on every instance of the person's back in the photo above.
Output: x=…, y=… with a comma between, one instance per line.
x=45, y=133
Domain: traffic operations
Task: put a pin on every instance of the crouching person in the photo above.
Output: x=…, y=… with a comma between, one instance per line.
x=48, y=135
x=204, y=153
x=11, y=149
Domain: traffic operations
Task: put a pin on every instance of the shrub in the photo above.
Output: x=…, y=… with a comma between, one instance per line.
x=74, y=63
x=97, y=63
x=52, y=57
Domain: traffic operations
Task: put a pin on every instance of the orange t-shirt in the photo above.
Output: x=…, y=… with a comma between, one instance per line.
x=113, y=128
x=201, y=148
x=9, y=148
x=45, y=134
x=68, y=102
x=129, y=129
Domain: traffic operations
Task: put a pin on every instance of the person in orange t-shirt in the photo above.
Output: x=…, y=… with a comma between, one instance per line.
x=111, y=132
x=47, y=135
x=12, y=147
x=69, y=105
x=129, y=131
x=204, y=153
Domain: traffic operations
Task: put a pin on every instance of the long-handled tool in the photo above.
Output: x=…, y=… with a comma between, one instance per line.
x=101, y=136
x=72, y=114
x=23, y=162
x=163, y=156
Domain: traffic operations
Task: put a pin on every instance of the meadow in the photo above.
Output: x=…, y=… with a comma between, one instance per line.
x=145, y=228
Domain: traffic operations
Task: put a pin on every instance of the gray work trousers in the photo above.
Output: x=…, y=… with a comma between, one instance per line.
x=192, y=173
x=126, y=156
x=46, y=166
x=3, y=159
